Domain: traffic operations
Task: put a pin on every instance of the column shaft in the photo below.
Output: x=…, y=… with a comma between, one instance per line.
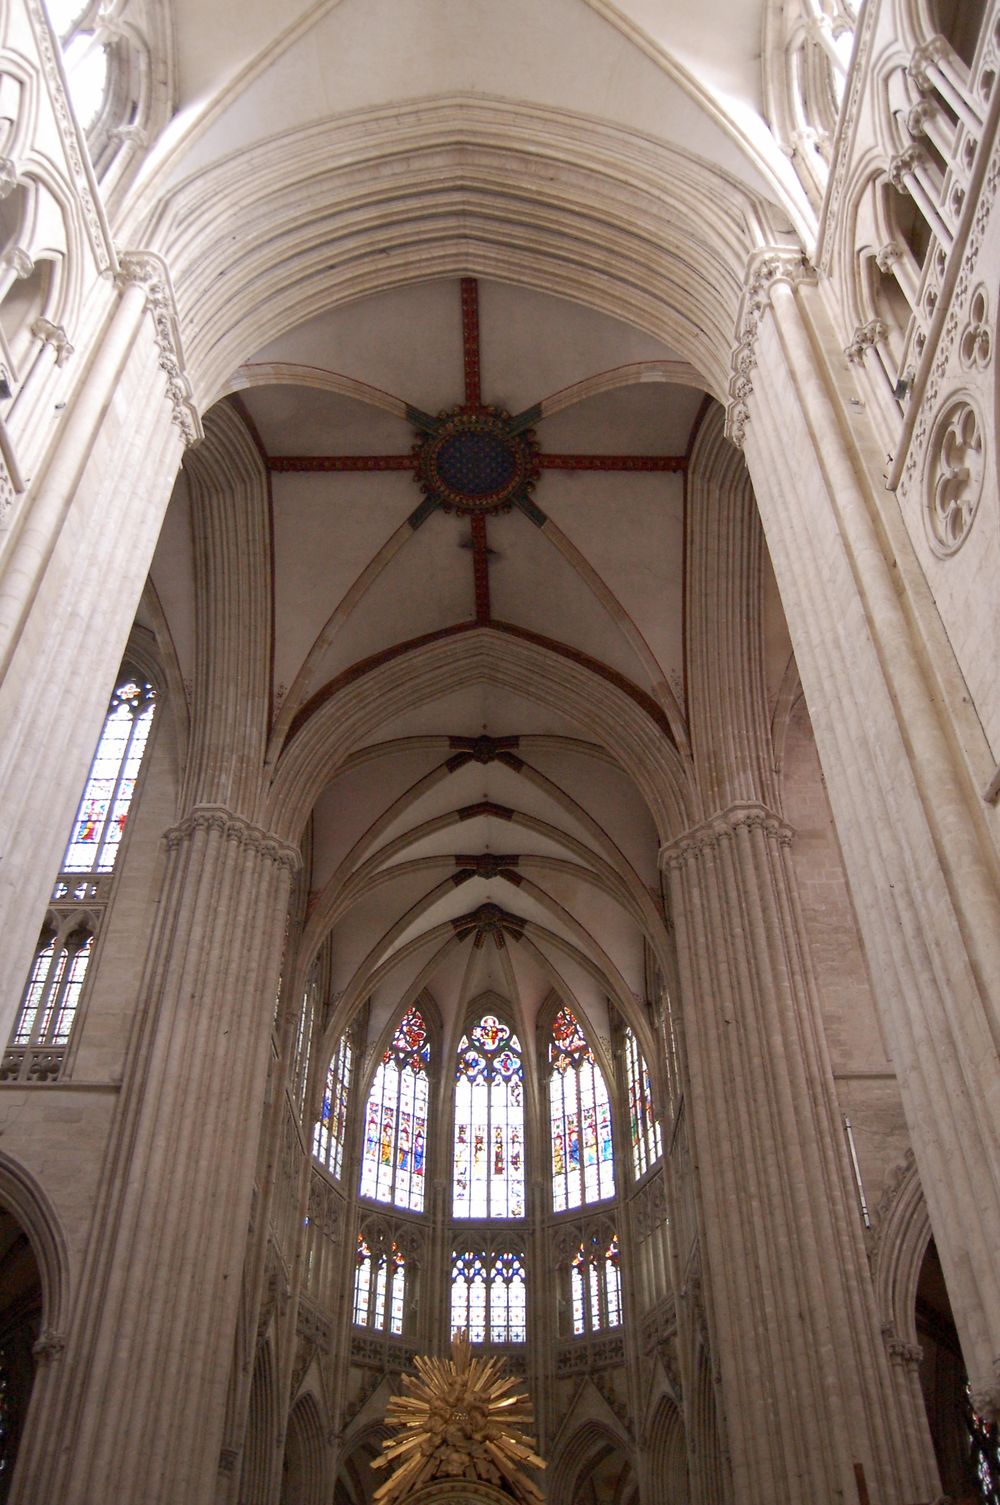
x=805, y=1379
x=142, y=1408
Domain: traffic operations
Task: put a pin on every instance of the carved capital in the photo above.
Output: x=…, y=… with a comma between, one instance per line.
x=8, y=177
x=17, y=258
x=766, y=270
x=902, y=167
x=887, y=255
x=54, y=335
x=146, y=270
x=985, y=1398
x=865, y=336
x=925, y=58
x=233, y=828
x=130, y=134
x=920, y=115
x=723, y=827
x=48, y=1345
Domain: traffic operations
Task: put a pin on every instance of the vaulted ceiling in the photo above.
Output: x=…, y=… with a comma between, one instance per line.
x=495, y=477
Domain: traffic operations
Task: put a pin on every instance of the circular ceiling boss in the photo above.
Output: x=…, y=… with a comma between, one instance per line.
x=472, y=460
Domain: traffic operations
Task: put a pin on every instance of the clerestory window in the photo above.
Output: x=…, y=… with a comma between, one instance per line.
x=583, y=1166
x=644, y=1128
x=395, y=1145
x=50, y=1002
x=489, y=1123
x=489, y=1293
x=330, y=1133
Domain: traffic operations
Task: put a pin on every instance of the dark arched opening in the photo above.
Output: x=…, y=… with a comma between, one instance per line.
x=20, y=1323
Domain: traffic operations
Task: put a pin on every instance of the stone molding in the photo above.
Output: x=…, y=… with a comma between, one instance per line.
x=80, y=171
x=721, y=827
x=765, y=270
x=236, y=829
x=148, y=271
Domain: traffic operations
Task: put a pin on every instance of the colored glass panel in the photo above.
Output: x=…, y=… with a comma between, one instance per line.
x=53, y=992
x=580, y=1119
x=489, y=1295
x=107, y=796
x=393, y=1157
x=330, y=1132
x=644, y=1129
x=379, y=1288
x=595, y=1287
x=489, y=1124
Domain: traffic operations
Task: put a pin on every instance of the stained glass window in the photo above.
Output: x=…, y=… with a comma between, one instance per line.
x=984, y=1439
x=488, y=1295
x=100, y=820
x=395, y=1146
x=331, y=1128
x=379, y=1287
x=53, y=992
x=595, y=1284
x=644, y=1129
x=583, y=1167
x=489, y=1123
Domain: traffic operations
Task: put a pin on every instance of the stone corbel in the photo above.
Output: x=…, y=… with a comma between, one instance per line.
x=148, y=271
x=8, y=177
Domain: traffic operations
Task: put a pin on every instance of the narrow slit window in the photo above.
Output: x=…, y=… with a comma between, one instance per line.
x=644, y=1128
x=330, y=1132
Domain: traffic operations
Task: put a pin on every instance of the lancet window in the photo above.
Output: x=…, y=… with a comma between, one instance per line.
x=395, y=1143
x=50, y=1002
x=330, y=1132
x=489, y=1294
x=107, y=796
x=644, y=1128
x=379, y=1285
x=583, y=1168
x=595, y=1285
x=489, y=1123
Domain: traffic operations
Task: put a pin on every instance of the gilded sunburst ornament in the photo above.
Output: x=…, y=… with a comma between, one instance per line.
x=462, y=1420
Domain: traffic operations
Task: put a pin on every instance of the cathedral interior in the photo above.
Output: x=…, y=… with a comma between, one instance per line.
x=500, y=758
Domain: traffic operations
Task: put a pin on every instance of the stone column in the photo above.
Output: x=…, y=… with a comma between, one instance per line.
x=805, y=1384
x=138, y=1416
x=913, y=830
x=71, y=576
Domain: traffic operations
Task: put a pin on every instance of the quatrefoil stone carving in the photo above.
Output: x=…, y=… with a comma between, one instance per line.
x=954, y=474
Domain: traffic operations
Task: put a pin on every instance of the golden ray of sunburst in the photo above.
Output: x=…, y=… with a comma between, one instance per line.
x=460, y=1419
